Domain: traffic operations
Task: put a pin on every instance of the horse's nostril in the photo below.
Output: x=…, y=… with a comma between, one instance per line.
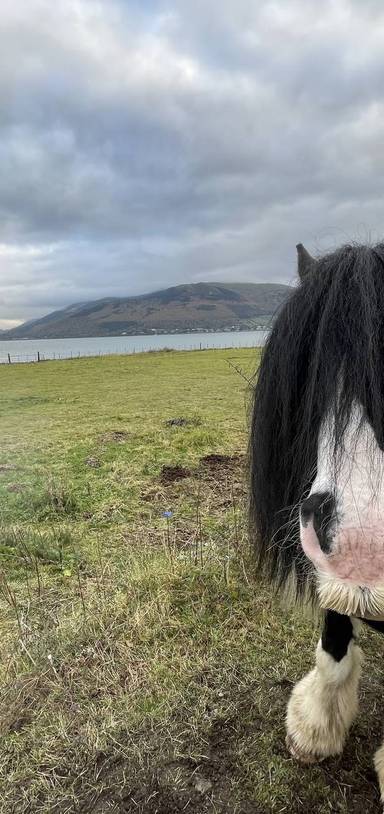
x=320, y=508
x=312, y=505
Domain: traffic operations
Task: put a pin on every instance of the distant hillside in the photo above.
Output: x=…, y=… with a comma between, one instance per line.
x=182, y=308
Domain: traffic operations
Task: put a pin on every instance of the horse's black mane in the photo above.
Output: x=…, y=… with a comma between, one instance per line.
x=326, y=351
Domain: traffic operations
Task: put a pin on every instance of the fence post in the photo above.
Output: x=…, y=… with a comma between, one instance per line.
x=38, y=356
x=9, y=358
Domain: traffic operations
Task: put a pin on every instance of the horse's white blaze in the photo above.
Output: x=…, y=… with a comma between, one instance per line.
x=351, y=574
x=323, y=705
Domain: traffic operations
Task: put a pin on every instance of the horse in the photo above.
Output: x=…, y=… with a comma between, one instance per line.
x=316, y=478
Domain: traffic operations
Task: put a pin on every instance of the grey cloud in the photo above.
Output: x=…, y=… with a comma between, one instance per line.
x=146, y=144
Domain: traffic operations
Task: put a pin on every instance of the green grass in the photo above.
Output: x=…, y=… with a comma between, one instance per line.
x=144, y=668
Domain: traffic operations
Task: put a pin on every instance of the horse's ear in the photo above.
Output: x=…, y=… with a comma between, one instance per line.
x=305, y=263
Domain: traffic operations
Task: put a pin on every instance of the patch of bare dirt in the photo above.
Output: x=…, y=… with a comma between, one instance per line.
x=170, y=474
x=217, y=464
x=224, y=478
x=211, y=466
x=219, y=483
x=172, y=786
x=158, y=797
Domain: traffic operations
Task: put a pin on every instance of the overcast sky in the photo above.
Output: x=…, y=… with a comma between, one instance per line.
x=146, y=143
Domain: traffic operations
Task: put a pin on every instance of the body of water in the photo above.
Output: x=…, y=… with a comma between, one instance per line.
x=29, y=350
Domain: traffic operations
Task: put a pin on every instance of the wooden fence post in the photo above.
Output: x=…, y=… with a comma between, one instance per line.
x=9, y=358
x=38, y=356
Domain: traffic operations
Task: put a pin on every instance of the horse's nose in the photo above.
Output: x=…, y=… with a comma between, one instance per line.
x=320, y=508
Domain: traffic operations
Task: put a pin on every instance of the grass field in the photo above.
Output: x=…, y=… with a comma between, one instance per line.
x=144, y=668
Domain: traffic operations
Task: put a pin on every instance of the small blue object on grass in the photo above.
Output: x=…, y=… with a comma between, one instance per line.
x=167, y=514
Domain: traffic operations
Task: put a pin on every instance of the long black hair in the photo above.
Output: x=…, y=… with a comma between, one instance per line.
x=325, y=352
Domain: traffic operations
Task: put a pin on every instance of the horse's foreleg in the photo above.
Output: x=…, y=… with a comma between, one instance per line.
x=324, y=703
x=379, y=766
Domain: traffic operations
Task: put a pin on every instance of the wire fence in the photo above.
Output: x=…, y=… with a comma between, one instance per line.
x=39, y=356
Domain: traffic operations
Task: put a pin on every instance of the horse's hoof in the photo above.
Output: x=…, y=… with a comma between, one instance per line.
x=302, y=757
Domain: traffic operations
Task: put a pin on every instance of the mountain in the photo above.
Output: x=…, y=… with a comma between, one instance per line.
x=182, y=308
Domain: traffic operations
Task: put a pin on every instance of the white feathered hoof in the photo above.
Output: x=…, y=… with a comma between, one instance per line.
x=323, y=706
x=310, y=736
x=379, y=766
